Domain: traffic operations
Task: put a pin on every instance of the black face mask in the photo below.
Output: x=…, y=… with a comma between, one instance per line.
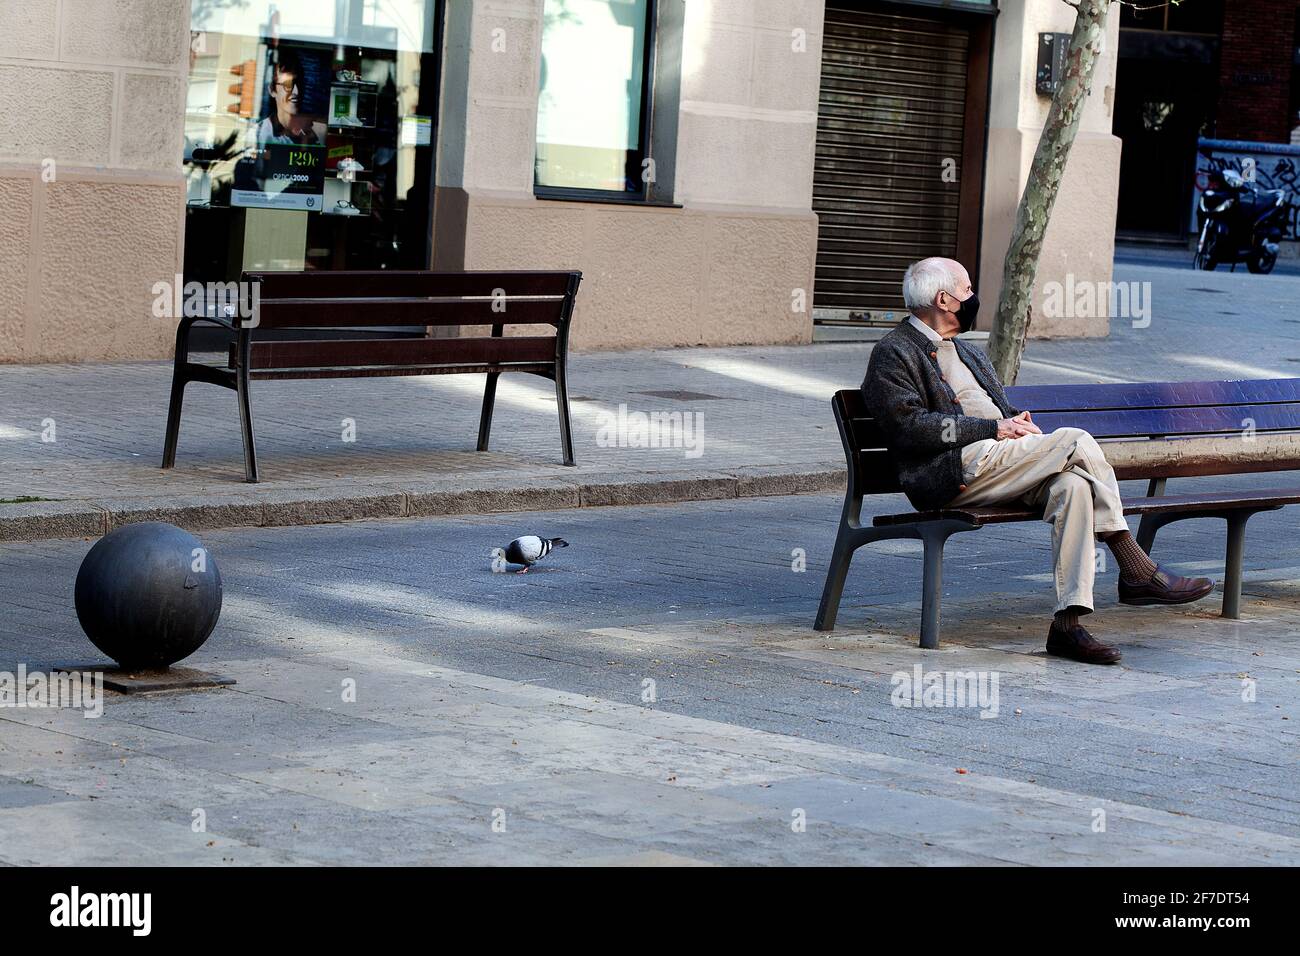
x=967, y=311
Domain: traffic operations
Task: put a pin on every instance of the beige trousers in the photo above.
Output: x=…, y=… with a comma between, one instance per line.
x=1066, y=473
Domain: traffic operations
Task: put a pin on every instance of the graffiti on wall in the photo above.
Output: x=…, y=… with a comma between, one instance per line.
x=1267, y=165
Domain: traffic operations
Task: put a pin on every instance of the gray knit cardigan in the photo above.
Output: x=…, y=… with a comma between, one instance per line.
x=918, y=413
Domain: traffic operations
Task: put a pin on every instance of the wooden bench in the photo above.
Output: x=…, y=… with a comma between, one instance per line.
x=1153, y=431
x=294, y=305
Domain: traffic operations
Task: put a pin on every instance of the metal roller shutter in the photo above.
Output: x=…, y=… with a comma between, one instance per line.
x=893, y=93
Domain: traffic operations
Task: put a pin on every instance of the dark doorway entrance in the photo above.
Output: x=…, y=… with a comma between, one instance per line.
x=1166, y=89
x=899, y=168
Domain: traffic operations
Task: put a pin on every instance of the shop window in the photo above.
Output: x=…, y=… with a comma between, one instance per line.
x=1192, y=16
x=309, y=135
x=594, y=102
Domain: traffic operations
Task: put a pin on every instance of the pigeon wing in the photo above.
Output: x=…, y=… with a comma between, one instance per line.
x=525, y=550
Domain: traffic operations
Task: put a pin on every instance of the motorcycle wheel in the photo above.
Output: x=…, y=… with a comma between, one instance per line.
x=1205, y=251
x=1261, y=263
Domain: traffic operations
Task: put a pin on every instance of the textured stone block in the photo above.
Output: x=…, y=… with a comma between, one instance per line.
x=299, y=509
x=16, y=197
x=51, y=113
x=191, y=513
x=151, y=132
x=30, y=29
x=493, y=497
x=153, y=32
x=50, y=519
x=758, y=482
x=103, y=246
x=657, y=491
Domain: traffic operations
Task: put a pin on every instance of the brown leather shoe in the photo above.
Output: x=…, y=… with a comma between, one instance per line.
x=1164, y=588
x=1078, y=645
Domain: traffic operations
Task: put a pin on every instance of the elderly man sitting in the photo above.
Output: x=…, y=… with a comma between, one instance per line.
x=957, y=441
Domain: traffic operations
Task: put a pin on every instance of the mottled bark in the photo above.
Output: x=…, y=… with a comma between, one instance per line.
x=1011, y=325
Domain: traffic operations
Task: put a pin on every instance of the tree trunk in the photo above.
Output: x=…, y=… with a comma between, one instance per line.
x=1007, y=343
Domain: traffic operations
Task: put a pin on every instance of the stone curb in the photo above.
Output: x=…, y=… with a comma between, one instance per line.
x=458, y=496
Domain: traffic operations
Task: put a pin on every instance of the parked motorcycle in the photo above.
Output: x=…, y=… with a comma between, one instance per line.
x=1239, y=222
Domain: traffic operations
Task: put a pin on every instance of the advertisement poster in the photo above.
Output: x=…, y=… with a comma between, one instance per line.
x=281, y=176
x=286, y=170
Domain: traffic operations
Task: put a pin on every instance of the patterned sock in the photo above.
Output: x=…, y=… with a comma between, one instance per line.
x=1064, y=620
x=1135, y=566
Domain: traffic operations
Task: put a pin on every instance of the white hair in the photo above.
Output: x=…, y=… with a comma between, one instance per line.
x=924, y=280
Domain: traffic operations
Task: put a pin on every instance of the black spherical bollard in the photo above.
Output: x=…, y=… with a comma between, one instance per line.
x=148, y=595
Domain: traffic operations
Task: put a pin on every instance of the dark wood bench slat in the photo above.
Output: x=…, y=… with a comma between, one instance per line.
x=1166, y=504
x=343, y=313
x=360, y=353
x=1208, y=501
x=1133, y=395
x=545, y=369
x=877, y=475
x=351, y=284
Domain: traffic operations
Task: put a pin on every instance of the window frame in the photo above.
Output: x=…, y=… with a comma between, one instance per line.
x=645, y=195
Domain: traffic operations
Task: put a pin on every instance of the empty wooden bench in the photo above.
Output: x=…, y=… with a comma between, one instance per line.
x=1153, y=431
x=282, y=340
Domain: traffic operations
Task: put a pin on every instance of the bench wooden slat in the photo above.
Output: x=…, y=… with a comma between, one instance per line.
x=877, y=475
x=1202, y=420
x=406, y=283
x=545, y=369
x=1166, y=504
x=407, y=352
x=1141, y=423
x=385, y=311
x=1132, y=395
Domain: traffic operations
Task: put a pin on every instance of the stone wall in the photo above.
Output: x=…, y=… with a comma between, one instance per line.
x=91, y=195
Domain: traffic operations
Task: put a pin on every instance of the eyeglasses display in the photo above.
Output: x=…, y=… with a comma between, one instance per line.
x=297, y=154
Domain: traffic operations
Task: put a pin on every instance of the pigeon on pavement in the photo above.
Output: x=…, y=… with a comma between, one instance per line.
x=529, y=549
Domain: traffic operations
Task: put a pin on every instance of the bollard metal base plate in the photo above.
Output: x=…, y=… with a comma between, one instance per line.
x=148, y=681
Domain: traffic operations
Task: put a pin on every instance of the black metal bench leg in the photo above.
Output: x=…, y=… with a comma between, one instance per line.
x=245, y=411
x=1232, y=564
x=836, y=574
x=1148, y=526
x=932, y=588
x=489, y=402
x=562, y=403
x=174, y=419
x=180, y=379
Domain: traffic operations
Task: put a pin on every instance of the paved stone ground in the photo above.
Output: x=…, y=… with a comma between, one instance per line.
x=519, y=698
x=765, y=423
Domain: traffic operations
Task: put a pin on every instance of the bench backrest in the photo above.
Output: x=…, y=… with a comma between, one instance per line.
x=342, y=300
x=1136, y=411
x=1164, y=409
x=321, y=300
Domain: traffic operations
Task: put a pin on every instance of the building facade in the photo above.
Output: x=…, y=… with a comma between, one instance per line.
x=722, y=171
x=1202, y=85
